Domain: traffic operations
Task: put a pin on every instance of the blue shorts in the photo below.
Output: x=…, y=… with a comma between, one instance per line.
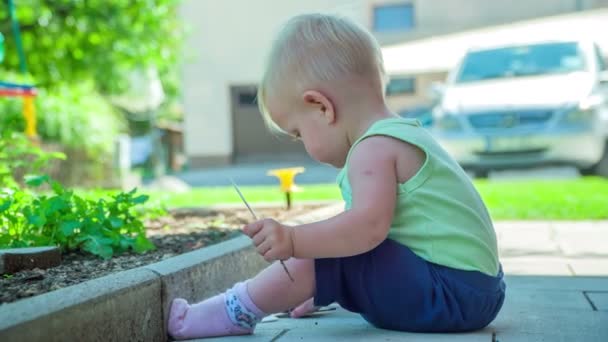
x=393, y=288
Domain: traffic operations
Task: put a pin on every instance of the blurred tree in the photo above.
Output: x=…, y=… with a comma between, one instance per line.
x=68, y=41
x=78, y=52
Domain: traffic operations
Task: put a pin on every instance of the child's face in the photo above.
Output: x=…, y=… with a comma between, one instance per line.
x=314, y=124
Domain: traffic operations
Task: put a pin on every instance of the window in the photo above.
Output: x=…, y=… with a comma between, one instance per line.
x=401, y=86
x=393, y=17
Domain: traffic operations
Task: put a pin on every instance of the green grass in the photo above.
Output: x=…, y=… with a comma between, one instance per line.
x=226, y=195
x=575, y=199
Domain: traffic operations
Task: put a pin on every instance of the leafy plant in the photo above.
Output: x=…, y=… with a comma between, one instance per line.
x=75, y=116
x=101, y=227
x=73, y=41
x=19, y=155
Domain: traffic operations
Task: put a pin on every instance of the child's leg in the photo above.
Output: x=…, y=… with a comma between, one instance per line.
x=304, y=309
x=393, y=288
x=275, y=292
x=238, y=310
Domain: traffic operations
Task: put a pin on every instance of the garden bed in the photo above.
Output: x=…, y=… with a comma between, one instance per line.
x=182, y=231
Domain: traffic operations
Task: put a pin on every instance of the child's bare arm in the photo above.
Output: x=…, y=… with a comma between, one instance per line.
x=373, y=179
x=375, y=168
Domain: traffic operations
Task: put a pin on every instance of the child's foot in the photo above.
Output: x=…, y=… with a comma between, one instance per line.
x=304, y=309
x=205, y=319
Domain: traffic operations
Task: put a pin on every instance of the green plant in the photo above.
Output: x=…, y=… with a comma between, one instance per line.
x=71, y=41
x=78, y=117
x=101, y=227
x=19, y=155
x=76, y=120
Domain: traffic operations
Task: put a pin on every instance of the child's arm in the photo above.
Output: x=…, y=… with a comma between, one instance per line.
x=373, y=179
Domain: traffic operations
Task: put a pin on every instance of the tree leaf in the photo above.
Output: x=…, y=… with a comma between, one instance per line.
x=57, y=155
x=116, y=222
x=68, y=227
x=36, y=180
x=140, y=199
x=98, y=246
x=5, y=205
x=5, y=240
x=55, y=204
x=36, y=220
x=57, y=187
x=142, y=244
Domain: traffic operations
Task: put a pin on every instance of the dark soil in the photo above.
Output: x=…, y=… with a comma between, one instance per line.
x=180, y=232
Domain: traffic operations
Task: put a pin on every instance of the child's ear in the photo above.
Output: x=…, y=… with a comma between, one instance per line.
x=325, y=105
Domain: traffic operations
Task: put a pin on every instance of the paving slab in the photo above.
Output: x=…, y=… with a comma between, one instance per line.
x=536, y=309
x=341, y=325
x=536, y=265
x=519, y=239
x=546, y=299
x=556, y=283
x=582, y=239
x=589, y=266
x=551, y=325
x=598, y=299
x=368, y=333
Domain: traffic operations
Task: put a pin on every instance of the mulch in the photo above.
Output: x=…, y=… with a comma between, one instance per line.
x=179, y=232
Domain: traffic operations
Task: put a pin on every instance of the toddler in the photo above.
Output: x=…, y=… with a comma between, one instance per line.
x=414, y=249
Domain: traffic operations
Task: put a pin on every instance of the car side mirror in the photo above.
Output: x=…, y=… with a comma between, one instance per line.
x=436, y=90
x=603, y=78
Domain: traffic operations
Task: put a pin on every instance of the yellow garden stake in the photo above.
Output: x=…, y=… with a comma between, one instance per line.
x=286, y=178
x=29, y=113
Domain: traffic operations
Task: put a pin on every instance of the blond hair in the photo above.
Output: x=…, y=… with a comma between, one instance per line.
x=312, y=49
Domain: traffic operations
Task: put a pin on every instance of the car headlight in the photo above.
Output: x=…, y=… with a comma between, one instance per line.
x=576, y=115
x=583, y=112
x=590, y=102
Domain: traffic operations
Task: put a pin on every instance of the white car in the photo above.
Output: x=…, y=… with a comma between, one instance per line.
x=527, y=105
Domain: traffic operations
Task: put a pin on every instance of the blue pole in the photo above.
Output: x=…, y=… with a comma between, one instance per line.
x=17, y=33
x=1, y=47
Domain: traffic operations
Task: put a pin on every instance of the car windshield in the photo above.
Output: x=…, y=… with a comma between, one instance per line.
x=517, y=61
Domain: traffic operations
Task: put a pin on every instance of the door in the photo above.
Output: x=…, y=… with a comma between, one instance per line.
x=252, y=140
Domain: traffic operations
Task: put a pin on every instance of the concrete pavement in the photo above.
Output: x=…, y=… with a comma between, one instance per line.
x=557, y=279
x=254, y=173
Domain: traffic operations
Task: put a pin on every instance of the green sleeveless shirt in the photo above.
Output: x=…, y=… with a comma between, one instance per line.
x=439, y=215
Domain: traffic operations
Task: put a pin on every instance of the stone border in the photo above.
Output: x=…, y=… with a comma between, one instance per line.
x=133, y=305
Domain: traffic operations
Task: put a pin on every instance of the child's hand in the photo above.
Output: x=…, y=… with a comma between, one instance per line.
x=272, y=240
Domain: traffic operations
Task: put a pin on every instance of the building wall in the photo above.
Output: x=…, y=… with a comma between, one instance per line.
x=228, y=41
x=434, y=17
x=226, y=47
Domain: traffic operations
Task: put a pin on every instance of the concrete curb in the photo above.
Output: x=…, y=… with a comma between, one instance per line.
x=133, y=305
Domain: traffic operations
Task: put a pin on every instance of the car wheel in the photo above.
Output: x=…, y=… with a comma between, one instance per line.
x=601, y=168
x=587, y=171
x=481, y=173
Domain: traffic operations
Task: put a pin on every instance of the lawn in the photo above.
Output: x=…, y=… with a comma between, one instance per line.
x=571, y=199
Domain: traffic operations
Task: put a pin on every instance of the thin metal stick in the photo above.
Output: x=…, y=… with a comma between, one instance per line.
x=256, y=218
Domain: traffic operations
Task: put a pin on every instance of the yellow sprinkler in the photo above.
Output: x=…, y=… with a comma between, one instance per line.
x=29, y=113
x=287, y=179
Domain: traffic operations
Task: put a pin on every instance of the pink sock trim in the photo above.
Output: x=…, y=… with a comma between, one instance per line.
x=241, y=291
